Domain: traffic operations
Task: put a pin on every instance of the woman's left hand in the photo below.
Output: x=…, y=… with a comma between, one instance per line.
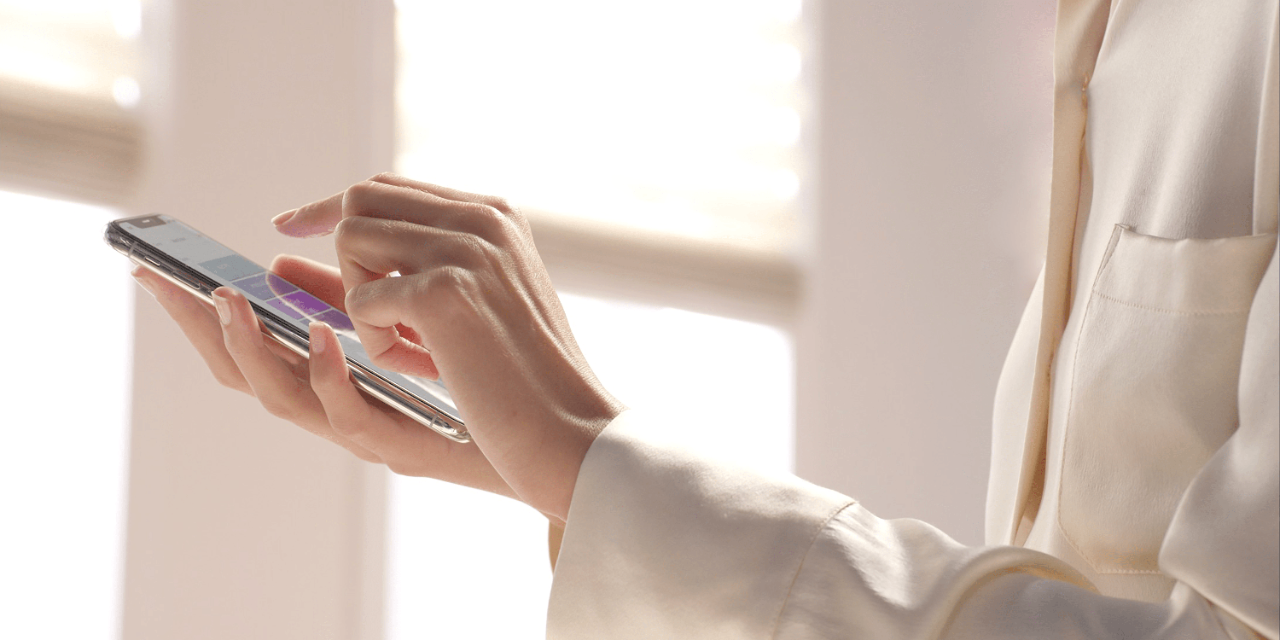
x=316, y=393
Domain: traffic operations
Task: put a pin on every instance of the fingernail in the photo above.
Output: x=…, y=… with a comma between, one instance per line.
x=317, y=341
x=224, y=310
x=283, y=218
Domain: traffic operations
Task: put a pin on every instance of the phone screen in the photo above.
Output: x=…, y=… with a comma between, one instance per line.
x=286, y=302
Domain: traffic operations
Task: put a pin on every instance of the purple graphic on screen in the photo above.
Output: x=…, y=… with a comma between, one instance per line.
x=287, y=310
x=265, y=286
x=306, y=303
x=279, y=286
x=336, y=319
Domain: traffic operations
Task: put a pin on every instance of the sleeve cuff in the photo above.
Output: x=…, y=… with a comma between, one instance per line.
x=663, y=542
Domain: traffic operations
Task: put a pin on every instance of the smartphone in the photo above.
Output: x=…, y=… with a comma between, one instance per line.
x=201, y=264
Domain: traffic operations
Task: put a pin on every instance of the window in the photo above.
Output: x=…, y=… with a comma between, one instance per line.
x=654, y=146
x=641, y=137
x=67, y=89
x=672, y=115
x=68, y=86
x=726, y=386
x=66, y=425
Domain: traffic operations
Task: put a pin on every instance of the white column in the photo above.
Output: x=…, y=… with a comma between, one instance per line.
x=926, y=218
x=240, y=525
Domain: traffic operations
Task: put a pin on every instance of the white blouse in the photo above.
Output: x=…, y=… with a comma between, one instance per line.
x=1135, y=483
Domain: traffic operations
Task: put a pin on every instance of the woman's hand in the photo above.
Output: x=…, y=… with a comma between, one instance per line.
x=473, y=303
x=318, y=395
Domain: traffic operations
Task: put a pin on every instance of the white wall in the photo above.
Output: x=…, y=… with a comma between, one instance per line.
x=926, y=208
x=240, y=525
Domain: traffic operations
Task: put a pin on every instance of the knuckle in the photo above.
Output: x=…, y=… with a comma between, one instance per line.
x=385, y=177
x=446, y=280
x=344, y=233
x=382, y=359
x=501, y=205
x=349, y=429
x=234, y=382
x=449, y=287
x=398, y=467
x=488, y=222
x=519, y=220
x=354, y=301
x=278, y=408
x=357, y=195
x=363, y=453
x=511, y=232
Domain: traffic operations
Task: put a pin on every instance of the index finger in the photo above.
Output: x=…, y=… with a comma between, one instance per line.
x=322, y=216
x=311, y=220
x=318, y=279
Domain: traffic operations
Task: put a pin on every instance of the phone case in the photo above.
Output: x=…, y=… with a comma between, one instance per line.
x=367, y=377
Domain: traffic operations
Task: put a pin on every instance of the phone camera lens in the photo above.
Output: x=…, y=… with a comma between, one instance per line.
x=149, y=221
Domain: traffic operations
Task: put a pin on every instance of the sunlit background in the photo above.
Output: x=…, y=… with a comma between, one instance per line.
x=80, y=47
x=673, y=116
x=663, y=151
x=67, y=324
x=667, y=362
x=684, y=120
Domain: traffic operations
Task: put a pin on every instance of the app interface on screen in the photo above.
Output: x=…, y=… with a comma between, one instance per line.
x=290, y=303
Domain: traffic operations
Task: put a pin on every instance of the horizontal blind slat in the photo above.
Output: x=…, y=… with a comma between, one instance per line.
x=667, y=269
x=67, y=146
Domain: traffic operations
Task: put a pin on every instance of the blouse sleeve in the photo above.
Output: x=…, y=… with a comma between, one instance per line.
x=663, y=543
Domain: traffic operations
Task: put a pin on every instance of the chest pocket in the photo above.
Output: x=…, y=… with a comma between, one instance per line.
x=1153, y=396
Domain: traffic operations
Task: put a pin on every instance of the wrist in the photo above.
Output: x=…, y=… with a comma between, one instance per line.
x=579, y=436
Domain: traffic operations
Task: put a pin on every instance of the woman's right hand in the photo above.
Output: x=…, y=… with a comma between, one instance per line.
x=444, y=282
x=316, y=394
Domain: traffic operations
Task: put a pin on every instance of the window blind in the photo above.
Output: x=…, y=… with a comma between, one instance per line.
x=68, y=93
x=654, y=145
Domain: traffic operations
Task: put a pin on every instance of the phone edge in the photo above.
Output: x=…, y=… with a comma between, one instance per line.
x=126, y=244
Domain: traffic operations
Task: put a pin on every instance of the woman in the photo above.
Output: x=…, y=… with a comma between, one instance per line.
x=1134, y=487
